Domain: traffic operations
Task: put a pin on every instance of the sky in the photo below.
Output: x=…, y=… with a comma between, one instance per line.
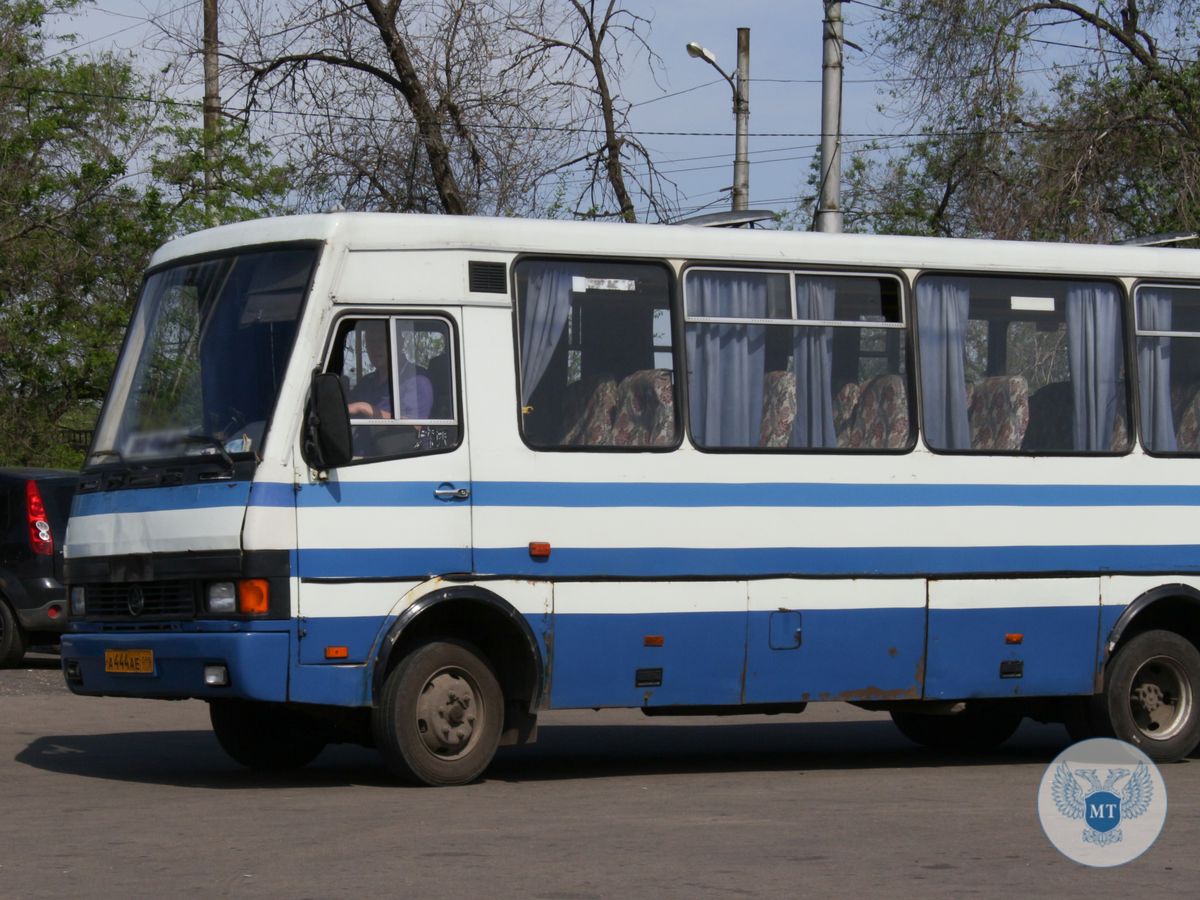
x=689, y=96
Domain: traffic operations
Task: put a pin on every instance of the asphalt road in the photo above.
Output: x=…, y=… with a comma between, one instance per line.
x=132, y=798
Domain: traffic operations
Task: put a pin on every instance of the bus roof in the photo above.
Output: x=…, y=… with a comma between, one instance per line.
x=410, y=231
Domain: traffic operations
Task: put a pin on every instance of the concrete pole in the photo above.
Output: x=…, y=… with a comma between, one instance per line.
x=212, y=95
x=829, y=207
x=741, y=112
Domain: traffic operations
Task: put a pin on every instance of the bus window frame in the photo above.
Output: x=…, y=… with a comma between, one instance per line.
x=910, y=378
x=1136, y=332
x=673, y=307
x=1124, y=296
x=388, y=314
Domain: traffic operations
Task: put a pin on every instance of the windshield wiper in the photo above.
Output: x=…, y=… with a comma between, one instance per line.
x=207, y=440
x=114, y=453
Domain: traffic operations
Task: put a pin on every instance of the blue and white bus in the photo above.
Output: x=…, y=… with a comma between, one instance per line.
x=411, y=480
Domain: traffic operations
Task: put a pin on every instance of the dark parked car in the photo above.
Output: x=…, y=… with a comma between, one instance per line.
x=34, y=506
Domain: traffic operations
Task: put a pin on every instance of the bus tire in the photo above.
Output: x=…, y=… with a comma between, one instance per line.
x=12, y=638
x=440, y=714
x=1151, y=692
x=266, y=737
x=975, y=729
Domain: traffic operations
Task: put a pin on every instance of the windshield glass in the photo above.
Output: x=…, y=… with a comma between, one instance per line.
x=206, y=354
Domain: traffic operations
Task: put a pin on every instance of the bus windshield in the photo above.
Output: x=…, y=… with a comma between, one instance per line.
x=205, y=357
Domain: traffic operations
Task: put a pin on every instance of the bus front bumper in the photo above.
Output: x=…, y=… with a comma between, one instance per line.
x=173, y=666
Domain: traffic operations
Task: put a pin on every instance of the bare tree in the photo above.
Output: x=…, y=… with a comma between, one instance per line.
x=458, y=106
x=589, y=40
x=394, y=104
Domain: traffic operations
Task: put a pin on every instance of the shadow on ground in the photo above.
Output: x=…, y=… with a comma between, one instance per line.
x=562, y=752
x=41, y=661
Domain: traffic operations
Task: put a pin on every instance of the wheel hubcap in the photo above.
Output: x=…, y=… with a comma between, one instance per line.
x=446, y=713
x=1160, y=698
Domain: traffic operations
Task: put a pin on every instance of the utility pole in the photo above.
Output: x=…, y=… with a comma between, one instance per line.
x=741, y=112
x=212, y=100
x=829, y=207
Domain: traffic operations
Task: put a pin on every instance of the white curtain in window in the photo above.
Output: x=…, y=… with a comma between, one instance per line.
x=545, y=309
x=943, y=305
x=1094, y=351
x=812, y=362
x=726, y=361
x=1154, y=371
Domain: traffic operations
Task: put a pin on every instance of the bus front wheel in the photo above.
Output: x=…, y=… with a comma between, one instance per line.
x=266, y=737
x=975, y=729
x=1151, y=694
x=439, y=716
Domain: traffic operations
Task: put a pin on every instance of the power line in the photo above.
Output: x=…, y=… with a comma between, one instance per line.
x=567, y=129
x=676, y=93
x=141, y=22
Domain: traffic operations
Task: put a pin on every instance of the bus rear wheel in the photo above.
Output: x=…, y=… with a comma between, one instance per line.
x=266, y=737
x=1151, y=694
x=977, y=728
x=439, y=716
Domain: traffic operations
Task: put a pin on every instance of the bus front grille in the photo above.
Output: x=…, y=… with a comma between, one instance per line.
x=143, y=600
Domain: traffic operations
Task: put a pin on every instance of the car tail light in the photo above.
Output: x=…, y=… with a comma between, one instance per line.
x=41, y=541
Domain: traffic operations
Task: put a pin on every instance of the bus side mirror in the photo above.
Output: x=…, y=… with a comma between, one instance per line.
x=327, y=441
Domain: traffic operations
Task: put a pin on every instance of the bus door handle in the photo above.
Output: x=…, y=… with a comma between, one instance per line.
x=447, y=491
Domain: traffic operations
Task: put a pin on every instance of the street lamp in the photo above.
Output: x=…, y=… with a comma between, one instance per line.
x=740, y=84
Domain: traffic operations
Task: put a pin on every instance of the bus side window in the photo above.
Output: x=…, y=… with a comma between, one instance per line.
x=1168, y=359
x=596, y=357
x=796, y=361
x=1022, y=365
x=400, y=381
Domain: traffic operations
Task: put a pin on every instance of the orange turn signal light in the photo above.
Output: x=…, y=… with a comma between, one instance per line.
x=253, y=596
x=539, y=549
x=652, y=640
x=1014, y=638
x=337, y=652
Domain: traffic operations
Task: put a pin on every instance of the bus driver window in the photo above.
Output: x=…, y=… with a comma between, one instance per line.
x=399, y=383
x=371, y=397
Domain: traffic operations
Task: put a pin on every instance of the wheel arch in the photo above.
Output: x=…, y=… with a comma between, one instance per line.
x=1172, y=607
x=477, y=615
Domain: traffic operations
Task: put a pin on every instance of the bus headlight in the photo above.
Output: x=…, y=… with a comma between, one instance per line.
x=222, y=597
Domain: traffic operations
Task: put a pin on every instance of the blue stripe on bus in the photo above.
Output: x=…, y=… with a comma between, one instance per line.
x=836, y=495
x=660, y=495
x=409, y=562
x=210, y=495
x=672, y=562
x=331, y=494
x=662, y=562
x=272, y=493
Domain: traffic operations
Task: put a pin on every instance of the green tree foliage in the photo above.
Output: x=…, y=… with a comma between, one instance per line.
x=92, y=179
x=208, y=180
x=1108, y=149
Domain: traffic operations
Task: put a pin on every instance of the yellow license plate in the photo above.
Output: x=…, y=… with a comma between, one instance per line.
x=134, y=662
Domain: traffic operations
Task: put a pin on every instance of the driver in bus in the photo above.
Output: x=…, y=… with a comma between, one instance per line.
x=371, y=397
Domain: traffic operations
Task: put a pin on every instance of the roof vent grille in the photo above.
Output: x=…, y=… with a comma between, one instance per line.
x=487, y=277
